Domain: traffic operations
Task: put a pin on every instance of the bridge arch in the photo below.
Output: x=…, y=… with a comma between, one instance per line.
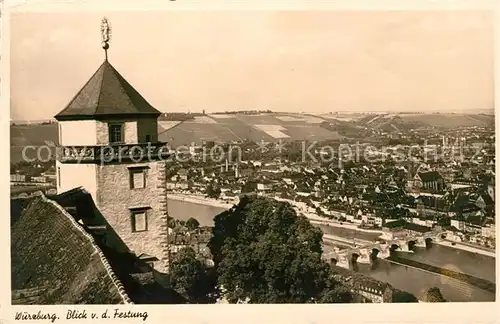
x=394, y=247
x=354, y=257
x=411, y=244
x=374, y=254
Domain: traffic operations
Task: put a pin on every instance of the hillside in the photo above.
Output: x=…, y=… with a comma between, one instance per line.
x=405, y=122
x=218, y=127
x=239, y=127
x=267, y=127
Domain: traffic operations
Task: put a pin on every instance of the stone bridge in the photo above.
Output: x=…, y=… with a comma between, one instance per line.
x=372, y=251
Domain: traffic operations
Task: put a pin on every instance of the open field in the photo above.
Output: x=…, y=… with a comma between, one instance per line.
x=262, y=127
x=33, y=134
x=238, y=127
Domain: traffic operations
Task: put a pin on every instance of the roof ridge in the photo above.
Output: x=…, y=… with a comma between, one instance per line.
x=100, y=86
x=109, y=270
x=107, y=93
x=83, y=87
x=120, y=79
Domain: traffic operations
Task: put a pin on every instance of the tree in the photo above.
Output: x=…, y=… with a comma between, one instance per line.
x=433, y=295
x=399, y=296
x=172, y=222
x=192, y=224
x=213, y=192
x=337, y=294
x=191, y=278
x=265, y=253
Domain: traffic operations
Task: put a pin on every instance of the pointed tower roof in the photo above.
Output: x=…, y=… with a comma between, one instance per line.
x=107, y=95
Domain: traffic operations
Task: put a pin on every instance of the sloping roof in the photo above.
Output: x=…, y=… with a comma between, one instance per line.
x=487, y=199
x=396, y=223
x=461, y=200
x=433, y=295
x=54, y=261
x=430, y=176
x=17, y=205
x=107, y=94
x=477, y=220
x=417, y=228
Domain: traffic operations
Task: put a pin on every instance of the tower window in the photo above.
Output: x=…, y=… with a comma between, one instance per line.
x=139, y=220
x=59, y=176
x=137, y=177
x=116, y=133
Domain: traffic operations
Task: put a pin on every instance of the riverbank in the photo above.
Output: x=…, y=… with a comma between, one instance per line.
x=201, y=200
x=471, y=280
x=326, y=221
x=314, y=218
x=464, y=247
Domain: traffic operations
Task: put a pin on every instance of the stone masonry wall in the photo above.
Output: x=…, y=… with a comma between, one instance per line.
x=114, y=198
x=130, y=131
x=102, y=133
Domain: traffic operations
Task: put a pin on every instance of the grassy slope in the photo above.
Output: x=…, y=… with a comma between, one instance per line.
x=240, y=127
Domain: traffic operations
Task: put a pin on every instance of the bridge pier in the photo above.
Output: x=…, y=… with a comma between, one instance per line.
x=384, y=254
x=404, y=248
x=420, y=242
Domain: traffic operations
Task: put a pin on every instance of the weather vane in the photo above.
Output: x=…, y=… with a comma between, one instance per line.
x=105, y=35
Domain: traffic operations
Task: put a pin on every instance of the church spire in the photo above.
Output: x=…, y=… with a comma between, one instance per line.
x=105, y=35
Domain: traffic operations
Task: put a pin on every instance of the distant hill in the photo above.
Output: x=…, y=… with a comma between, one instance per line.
x=254, y=127
x=405, y=122
x=218, y=127
x=266, y=127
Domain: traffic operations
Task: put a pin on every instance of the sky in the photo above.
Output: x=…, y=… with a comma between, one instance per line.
x=295, y=61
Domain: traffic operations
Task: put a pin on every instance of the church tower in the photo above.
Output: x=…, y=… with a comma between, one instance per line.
x=108, y=137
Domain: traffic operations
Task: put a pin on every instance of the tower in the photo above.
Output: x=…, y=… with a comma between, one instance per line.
x=108, y=136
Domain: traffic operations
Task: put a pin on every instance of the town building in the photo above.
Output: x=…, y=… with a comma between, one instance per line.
x=431, y=180
x=17, y=177
x=264, y=185
x=401, y=228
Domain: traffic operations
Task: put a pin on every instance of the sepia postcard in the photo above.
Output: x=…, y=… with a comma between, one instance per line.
x=292, y=161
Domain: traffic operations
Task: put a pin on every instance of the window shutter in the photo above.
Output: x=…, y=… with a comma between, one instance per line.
x=138, y=179
x=140, y=222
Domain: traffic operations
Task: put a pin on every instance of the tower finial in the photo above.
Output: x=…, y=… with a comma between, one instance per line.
x=105, y=35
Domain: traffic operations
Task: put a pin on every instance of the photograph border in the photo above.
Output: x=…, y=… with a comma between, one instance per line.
x=352, y=313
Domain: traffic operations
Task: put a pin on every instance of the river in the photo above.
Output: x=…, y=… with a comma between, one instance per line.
x=183, y=210
x=409, y=279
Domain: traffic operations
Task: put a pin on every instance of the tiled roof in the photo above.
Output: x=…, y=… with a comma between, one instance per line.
x=396, y=223
x=54, y=261
x=107, y=94
x=429, y=176
x=361, y=281
x=417, y=228
x=487, y=199
x=17, y=205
